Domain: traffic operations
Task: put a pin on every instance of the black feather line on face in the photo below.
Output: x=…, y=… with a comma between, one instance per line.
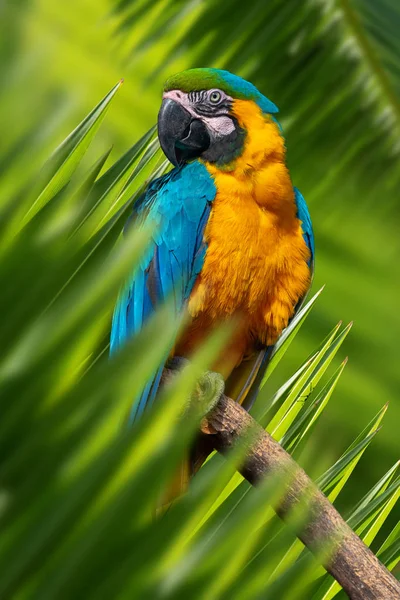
x=201, y=104
x=198, y=96
x=210, y=110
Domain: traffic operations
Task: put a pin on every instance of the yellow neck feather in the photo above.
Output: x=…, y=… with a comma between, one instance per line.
x=259, y=173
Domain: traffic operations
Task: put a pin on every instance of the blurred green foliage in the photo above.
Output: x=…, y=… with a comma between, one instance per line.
x=332, y=68
x=78, y=488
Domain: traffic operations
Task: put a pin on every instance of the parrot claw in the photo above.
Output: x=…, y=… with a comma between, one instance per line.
x=209, y=388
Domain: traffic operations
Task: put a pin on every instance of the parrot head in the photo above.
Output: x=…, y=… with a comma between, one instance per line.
x=203, y=115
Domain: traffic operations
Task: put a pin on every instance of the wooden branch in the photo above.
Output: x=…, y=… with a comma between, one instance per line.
x=352, y=564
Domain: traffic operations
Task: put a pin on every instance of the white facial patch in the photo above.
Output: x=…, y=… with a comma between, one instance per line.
x=219, y=125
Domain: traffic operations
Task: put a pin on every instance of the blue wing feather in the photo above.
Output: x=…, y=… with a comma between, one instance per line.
x=306, y=225
x=179, y=203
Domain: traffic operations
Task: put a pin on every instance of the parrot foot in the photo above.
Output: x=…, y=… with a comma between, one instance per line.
x=209, y=387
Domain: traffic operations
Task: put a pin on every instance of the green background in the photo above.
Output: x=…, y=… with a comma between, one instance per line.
x=333, y=68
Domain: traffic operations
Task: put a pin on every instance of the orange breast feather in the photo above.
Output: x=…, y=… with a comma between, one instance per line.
x=256, y=261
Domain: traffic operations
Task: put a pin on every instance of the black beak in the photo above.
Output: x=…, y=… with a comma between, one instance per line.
x=182, y=137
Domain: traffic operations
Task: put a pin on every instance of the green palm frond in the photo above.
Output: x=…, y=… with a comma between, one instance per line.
x=77, y=486
x=345, y=50
x=331, y=67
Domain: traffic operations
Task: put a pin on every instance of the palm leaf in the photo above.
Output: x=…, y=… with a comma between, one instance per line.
x=87, y=529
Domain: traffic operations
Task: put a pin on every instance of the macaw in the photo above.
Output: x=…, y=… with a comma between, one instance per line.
x=234, y=237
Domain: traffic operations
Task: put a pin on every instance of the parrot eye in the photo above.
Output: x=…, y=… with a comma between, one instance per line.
x=215, y=97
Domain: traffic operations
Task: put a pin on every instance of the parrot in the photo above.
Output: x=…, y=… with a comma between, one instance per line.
x=234, y=237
